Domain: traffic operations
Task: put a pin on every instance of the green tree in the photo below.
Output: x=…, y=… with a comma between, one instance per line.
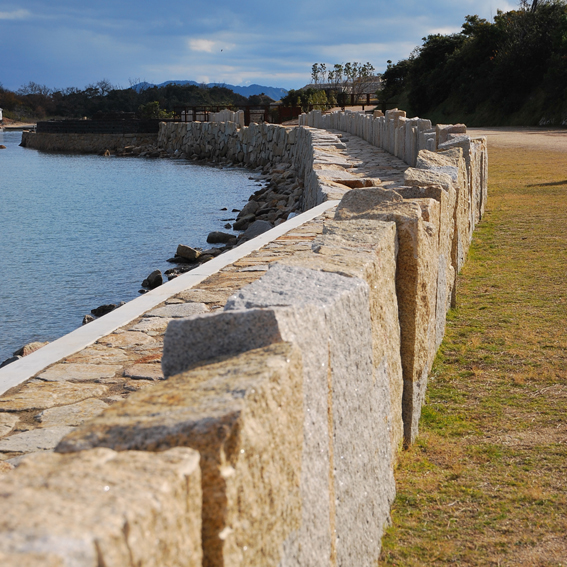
x=152, y=110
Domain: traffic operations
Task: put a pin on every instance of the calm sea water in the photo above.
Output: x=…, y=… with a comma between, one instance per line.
x=77, y=232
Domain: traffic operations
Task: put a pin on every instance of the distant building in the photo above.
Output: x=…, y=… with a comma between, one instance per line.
x=365, y=86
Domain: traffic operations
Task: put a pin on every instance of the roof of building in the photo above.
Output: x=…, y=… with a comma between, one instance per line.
x=369, y=86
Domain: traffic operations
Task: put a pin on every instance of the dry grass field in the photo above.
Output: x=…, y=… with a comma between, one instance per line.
x=486, y=481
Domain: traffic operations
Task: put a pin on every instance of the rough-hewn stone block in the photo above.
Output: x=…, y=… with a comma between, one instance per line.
x=450, y=162
x=367, y=249
x=43, y=395
x=416, y=281
x=447, y=274
x=328, y=316
x=102, y=508
x=244, y=415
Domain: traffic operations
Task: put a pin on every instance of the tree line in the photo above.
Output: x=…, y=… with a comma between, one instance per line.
x=509, y=71
x=34, y=101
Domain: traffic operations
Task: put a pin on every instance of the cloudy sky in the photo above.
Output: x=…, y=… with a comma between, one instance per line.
x=62, y=43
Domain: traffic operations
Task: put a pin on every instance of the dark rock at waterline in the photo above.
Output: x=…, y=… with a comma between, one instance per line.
x=2, y=148
x=219, y=237
x=88, y=319
x=244, y=222
x=155, y=279
x=249, y=209
x=179, y=270
x=212, y=251
x=255, y=229
x=103, y=309
x=180, y=260
x=224, y=209
x=227, y=225
x=24, y=351
x=11, y=359
x=187, y=252
x=235, y=210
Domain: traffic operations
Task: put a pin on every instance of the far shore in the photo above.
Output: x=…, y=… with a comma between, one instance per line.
x=8, y=124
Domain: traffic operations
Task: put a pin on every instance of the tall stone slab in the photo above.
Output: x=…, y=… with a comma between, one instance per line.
x=358, y=407
x=475, y=154
x=245, y=417
x=367, y=249
x=101, y=507
x=416, y=282
x=450, y=162
x=446, y=272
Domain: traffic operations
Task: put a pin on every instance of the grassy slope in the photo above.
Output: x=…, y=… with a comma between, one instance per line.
x=486, y=482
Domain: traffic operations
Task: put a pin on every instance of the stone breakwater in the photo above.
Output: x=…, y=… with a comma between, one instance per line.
x=287, y=381
x=86, y=143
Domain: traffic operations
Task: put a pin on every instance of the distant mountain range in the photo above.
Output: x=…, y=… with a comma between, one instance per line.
x=273, y=92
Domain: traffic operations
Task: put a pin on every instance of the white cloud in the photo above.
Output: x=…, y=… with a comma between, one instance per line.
x=202, y=45
x=15, y=15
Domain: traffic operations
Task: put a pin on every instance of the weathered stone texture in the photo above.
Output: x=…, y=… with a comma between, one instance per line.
x=127, y=339
x=35, y=440
x=80, y=372
x=451, y=163
x=4, y=468
x=244, y=415
x=7, y=423
x=71, y=415
x=102, y=508
x=416, y=279
x=367, y=249
x=178, y=311
x=328, y=316
x=38, y=396
x=446, y=271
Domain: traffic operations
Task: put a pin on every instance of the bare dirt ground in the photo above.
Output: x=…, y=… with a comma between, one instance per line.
x=547, y=139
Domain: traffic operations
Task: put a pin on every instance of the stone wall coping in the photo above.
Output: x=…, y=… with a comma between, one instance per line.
x=21, y=370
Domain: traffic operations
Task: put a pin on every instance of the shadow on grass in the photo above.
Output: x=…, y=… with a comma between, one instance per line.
x=554, y=184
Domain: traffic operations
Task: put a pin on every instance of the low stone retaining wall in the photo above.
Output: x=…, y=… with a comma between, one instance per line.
x=257, y=145
x=294, y=395
x=84, y=143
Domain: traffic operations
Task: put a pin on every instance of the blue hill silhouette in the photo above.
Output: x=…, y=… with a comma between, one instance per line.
x=275, y=93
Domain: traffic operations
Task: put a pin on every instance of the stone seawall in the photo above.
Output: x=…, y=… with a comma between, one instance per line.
x=260, y=145
x=274, y=434
x=84, y=143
